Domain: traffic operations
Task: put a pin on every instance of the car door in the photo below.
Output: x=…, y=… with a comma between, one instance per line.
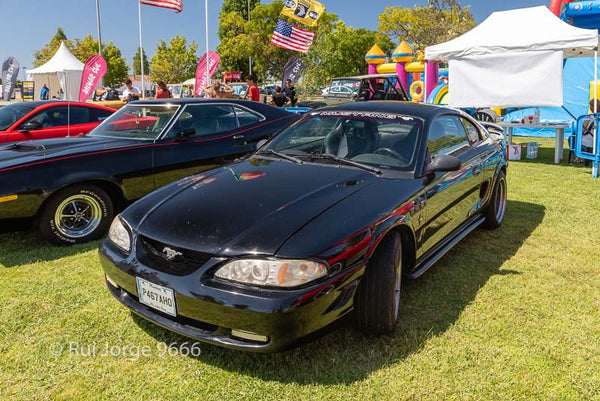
x=204, y=136
x=451, y=197
x=52, y=122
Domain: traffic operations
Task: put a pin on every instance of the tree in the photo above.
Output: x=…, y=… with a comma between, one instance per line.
x=84, y=48
x=41, y=56
x=439, y=21
x=137, y=66
x=231, y=23
x=116, y=72
x=176, y=62
x=339, y=50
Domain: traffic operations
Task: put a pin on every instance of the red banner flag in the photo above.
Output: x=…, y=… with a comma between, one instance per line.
x=93, y=70
x=213, y=62
x=176, y=5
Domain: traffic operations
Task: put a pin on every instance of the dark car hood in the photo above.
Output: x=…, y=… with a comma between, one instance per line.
x=12, y=154
x=250, y=207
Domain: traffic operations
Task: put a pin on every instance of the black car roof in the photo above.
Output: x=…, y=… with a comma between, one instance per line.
x=408, y=108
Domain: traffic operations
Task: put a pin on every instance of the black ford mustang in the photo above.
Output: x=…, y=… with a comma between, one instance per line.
x=72, y=186
x=323, y=220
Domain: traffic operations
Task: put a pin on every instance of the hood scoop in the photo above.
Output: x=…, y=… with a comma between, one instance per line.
x=24, y=147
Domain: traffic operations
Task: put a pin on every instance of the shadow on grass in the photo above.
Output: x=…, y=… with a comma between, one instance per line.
x=430, y=305
x=22, y=245
x=546, y=156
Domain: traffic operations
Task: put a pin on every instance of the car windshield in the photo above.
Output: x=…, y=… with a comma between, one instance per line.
x=141, y=122
x=12, y=113
x=382, y=140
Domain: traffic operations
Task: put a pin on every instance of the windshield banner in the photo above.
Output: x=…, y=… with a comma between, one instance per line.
x=201, y=79
x=93, y=70
x=10, y=73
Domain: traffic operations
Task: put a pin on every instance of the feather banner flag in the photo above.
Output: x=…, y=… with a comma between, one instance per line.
x=305, y=11
x=176, y=5
x=291, y=37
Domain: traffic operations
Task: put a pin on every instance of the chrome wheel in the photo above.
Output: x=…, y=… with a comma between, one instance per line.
x=500, y=200
x=78, y=216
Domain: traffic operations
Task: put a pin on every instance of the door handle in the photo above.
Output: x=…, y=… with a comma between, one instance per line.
x=238, y=137
x=477, y=169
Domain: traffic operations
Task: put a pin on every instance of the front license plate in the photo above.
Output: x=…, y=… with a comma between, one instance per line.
x=156, y=296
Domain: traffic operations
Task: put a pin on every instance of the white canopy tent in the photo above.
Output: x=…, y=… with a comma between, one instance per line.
x=62, y=66
x=513, y=58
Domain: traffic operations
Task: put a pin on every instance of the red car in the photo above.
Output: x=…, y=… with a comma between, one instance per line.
x=49, y=119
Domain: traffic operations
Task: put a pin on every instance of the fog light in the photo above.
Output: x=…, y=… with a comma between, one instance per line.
x=111, y=281
x=247, y=335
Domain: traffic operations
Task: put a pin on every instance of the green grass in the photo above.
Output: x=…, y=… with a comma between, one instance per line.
x=507, y=314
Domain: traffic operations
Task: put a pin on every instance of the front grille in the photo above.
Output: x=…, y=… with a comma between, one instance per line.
x=154, y=253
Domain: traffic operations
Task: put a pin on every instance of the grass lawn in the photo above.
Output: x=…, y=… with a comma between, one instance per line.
x=507, y=314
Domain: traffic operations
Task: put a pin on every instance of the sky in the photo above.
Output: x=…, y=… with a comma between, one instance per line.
x=27, y=25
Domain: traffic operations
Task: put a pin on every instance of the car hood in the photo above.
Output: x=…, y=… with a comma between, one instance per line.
x=251, y=207
x=12, y=154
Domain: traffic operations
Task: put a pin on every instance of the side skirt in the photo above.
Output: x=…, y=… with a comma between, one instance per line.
x=423, y=265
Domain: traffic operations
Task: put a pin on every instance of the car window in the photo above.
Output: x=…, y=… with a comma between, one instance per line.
x=472, y=131
x=138, y=122
x=52, y=117
x=97, y=115
x=246, y=117
x=79, y=115
x=447, y=136
x=205, y=119
x=12, y=113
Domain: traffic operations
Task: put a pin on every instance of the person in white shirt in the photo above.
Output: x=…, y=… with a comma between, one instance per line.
x=131, y=93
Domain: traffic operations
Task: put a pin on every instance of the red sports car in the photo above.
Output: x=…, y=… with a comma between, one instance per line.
x=49, y=119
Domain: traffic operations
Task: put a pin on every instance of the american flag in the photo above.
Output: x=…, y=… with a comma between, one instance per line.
x=290, y=37
x=176, y=5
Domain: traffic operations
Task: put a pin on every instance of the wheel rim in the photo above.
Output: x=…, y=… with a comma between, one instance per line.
x=78, y=216
x=397, y=285
x=500, y=200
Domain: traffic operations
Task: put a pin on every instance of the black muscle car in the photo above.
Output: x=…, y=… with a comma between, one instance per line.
x=71, y=187
x=322, y=221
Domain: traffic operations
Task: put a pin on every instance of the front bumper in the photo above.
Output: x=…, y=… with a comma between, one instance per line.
x=209, y=310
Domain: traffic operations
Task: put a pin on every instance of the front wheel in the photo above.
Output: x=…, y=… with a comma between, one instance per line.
x=377, y=301
x=76, y=214
x=494, y=213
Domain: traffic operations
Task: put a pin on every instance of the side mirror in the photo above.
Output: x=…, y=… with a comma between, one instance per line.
x=30, y=126
x=185, y=134
x=443, y=163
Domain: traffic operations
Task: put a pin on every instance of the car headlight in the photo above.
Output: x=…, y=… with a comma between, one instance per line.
x=276, y=273
x=119, y=234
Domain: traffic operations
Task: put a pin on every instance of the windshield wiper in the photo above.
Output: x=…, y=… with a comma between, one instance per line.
x=328, y=156
x=281, y=155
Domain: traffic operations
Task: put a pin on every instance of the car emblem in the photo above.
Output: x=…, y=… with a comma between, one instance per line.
x=171, y=254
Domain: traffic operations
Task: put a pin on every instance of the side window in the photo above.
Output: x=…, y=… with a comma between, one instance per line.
x=447, y=136
x=52, y=117
x=97, y=115
x=472, y=131
x=204, y=119
x=79, y=115
x=246, y=117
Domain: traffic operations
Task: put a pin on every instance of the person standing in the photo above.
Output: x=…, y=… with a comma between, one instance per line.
x=279, y=99
x=131, y=93
x=219, y=90
x=162, y=92
x=254, y=93
x=44, y=93
x=290, y=92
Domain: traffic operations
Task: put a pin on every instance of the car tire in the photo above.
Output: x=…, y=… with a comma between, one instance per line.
x=76, y=214
x=377, y=301
x=494, y=213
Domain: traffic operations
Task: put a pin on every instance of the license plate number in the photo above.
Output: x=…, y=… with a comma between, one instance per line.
x=156, y=296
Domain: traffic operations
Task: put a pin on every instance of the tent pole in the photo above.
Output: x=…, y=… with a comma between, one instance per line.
x=141, y=49
x=595, y=132
x=206, y=33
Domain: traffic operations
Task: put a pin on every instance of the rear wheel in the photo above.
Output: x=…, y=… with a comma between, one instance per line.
x=377, y=301
x=494, y=213
x=76, y=214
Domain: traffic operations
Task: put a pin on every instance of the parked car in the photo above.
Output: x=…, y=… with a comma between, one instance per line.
x=49, y=119
x=322, y=221
x=364, y=88
x=71, y=187
x=341, y=92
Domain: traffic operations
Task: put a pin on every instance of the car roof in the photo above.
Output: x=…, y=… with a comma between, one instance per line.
x=41, y=103
x=407, y=108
